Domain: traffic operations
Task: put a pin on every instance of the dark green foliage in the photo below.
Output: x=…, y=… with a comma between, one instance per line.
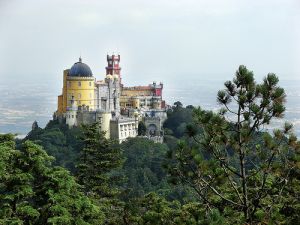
x=143, y=166
x=32, y=191
x=144, y=172
x=221, y=168
x=178, y=119
x=177, y=104
x=59, y=141
x=152, y=209
x=141, y=128
x=248, y=175
x=98, y=157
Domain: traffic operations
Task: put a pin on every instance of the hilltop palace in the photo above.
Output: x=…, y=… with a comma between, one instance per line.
x=116, y=108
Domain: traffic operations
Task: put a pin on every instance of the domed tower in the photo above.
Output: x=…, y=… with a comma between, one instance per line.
x=78, y=85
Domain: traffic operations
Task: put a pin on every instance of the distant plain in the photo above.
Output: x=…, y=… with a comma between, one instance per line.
x=27, y=102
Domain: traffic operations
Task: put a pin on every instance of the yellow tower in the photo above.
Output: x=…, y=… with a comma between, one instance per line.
x=79, y=85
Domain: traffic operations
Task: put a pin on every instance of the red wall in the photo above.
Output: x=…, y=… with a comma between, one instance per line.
x=158, y=92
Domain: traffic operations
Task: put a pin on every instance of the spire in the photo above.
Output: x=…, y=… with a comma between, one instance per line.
x=80, y=59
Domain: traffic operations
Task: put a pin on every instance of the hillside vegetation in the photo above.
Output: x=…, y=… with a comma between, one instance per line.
x=213, y=167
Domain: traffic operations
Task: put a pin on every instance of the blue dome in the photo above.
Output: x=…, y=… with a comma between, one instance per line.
x=80, y=69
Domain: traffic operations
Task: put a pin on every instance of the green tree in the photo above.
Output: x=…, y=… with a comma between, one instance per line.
x=32, y=191
x=178, y=104
x=142, y=129
x=60, y=142
x=143, y=167
x=178, y=119
x=99, y=156
x=153, y=209
x=248, y=174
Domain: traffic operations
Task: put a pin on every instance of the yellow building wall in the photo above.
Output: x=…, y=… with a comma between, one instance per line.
x=60, y=104
x=84, y=93
x=133, y=92
x=127, y=97
x=125, y=101
x=136, y=103
x=64, y=91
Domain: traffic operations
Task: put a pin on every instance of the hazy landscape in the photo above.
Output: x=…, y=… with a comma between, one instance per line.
x=139, y=112
x=38, y=101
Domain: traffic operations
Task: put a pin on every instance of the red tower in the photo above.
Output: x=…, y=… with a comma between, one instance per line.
x=113, y=67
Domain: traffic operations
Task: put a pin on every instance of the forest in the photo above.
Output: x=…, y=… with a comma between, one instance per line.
x=214, y=167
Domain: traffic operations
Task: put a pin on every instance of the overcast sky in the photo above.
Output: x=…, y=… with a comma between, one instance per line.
x=157, y=39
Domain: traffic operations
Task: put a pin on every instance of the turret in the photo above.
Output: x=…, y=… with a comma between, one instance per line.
x=71, y=114
x=113, y=67
x=113, y=101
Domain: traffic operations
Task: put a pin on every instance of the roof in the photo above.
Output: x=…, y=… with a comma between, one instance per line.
x=80, y=69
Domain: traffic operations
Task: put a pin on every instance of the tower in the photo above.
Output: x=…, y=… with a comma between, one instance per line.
x=113, y=95
x=113, y=67
x=71, y=114
x=79, y=85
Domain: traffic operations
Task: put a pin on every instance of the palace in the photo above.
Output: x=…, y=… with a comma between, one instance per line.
x=117, y=109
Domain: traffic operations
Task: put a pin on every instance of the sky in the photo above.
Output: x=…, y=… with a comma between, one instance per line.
x=186, y=44
x=157, y=40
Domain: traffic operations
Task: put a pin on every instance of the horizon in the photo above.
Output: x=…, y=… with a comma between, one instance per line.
x=186, y=37
x=179, y=44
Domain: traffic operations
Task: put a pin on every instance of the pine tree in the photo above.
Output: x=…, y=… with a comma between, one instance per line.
x=233, y=164
x=32, y=191
x=142, y=129
x=99, y=157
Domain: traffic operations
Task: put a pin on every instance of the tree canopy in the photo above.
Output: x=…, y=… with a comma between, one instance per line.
x=220, y=167
x=32, y=191
x=233, y=164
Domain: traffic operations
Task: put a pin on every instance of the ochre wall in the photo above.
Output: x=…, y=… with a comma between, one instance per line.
x=60, y=104
x=84, y=94
x=137, y=92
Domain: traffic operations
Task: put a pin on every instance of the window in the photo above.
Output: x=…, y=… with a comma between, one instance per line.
x=90, y=83
x=69, y=83
x=79, y=84
x=90, y=95
x=72, y=116
x=79, y=95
